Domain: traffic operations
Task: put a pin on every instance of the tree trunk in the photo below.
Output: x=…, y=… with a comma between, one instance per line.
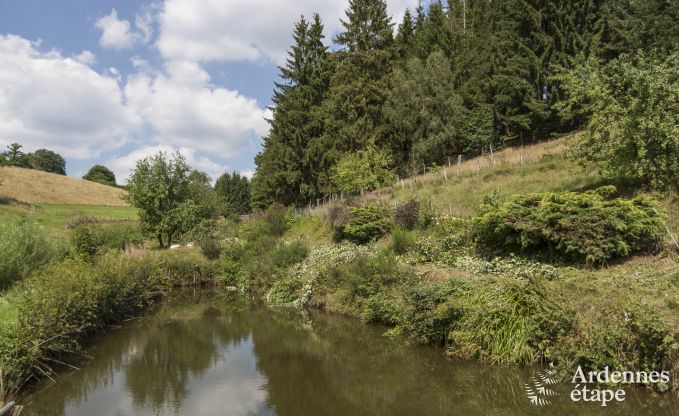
x=160, y=240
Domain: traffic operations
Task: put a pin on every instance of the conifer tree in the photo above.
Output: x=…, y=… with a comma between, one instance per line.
x=285, y=170
x=353, y=109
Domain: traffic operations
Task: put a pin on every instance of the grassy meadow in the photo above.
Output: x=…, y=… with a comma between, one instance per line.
x=54, y=201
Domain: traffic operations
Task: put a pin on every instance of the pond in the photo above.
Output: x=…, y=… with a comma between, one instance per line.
x=207, y=353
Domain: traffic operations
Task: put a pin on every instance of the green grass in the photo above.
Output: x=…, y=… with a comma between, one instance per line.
x=55, y=217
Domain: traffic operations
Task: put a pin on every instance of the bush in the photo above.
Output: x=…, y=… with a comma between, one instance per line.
x=511, y=322
x=407, y=215
x=67, y=301
x=210, y=247
x=89, y=239
x=402, y=241
x=369, y=287
x=366, y=224
x=23, y=248
x=587, y=227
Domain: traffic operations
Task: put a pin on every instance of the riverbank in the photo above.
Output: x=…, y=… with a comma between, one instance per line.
x=46, y=317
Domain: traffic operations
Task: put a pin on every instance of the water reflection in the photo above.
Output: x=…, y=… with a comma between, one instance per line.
x=215, y=354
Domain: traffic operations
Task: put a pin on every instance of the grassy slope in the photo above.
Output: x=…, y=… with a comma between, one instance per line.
x=37, y=187
x=54, y=200
x=650, y=280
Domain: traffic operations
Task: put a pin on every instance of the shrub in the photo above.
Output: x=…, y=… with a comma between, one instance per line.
x=588, y=227
x=430, y=311
x=369, y=287
x=89, y=239
x=402, y=241
x=511, y=322
x=366, y=224
x=407, y=215
x=210, y=247
x=23, y=248
x=291, y=253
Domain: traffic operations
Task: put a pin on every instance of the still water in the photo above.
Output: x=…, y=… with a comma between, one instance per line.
x=204, y=353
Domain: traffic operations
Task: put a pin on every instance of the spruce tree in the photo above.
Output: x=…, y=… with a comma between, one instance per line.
x=285, y=171
x=353, y=109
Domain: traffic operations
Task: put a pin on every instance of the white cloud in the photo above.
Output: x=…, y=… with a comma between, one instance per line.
x=47, y=100
x=185, y=110
x=123, y=165
x=215, y=30
x=116, y=33
x=86, y=57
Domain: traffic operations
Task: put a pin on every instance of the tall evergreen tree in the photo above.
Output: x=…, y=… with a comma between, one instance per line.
x=286, y=168
x=405, y=37
x=353, y=109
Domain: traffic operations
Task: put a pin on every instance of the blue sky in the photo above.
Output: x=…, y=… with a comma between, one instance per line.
x=113, y=81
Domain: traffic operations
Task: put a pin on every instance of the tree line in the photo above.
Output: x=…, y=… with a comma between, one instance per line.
x=450, y=79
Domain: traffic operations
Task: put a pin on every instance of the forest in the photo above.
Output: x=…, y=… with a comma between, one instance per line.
x=457, y=79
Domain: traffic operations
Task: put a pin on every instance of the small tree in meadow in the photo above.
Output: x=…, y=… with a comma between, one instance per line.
x=159, y=189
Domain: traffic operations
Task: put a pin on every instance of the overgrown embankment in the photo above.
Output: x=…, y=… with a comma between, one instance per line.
x=574, y=272
x=47, y=316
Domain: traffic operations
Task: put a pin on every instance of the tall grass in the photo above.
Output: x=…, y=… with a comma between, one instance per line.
x=24, y=247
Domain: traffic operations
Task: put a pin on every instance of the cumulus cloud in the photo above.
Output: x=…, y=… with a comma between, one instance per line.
x=86, y=57
x=243, y=30
x=118, y=33
x=123, y=165
x=48, y=100
x=115, y=33
x=185, y=110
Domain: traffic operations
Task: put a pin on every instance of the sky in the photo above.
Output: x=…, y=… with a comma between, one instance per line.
x=110, y=82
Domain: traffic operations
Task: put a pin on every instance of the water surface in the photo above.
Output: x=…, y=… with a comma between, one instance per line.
x=217, y=354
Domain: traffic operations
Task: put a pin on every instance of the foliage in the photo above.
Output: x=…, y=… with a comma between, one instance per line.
x=366, y=169
x=402, y=241
x=366, y=224
x=90, y=239
x=516, y=322
x=234, y=191
x=24, y=247
x=633, y=128
x=42, y=159
x=169, y=200
x=101, y=174
x=292, y=167
x=407, y=214
x=210, y=247
x=635, y=338
x=589, y=227
x=48, y=161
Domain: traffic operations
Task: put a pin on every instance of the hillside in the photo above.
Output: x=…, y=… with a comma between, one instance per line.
x=459, y=189
x=37, y=187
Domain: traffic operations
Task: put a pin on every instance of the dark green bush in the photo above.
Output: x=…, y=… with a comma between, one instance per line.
x=368, y=287
x=366, y=224
x=210, y=247
x=407, y=215
x=431, y=311
x=589, y=227
x=402, y=241
x=23, y=248
x=288, y=254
